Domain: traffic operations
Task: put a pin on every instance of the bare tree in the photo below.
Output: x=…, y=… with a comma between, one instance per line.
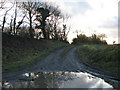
x=66, y=28
x=4, y=17
x=2, y=3
x=20, y=22
x=14, y=21
x=46, y=15
x=30, y=8
x=14, y=25
x=52, y=25
x=102, y=36
x=11, y=26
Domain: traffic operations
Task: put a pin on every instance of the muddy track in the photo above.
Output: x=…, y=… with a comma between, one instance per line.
x=59, y=60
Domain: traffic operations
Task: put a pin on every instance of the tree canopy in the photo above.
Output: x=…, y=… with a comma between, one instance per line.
x=83, y=39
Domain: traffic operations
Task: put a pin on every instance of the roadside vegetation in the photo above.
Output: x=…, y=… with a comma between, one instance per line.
x=103, y=57
x=93, y=39
x=33, y=30
x=95, y=52
x=20, y=52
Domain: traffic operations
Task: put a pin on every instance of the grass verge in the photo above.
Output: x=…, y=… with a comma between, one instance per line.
x=103, y=57
x=19, y=53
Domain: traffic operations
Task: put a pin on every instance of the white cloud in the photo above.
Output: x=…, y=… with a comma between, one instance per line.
x=110, y=23
x=90, y=15
x=98, y=15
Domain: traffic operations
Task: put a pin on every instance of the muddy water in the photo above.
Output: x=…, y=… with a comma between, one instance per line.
x=57, y=80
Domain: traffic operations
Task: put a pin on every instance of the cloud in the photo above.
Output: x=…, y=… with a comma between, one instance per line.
x=111, y=23
x=99, y=15
x=79, y=7
x=74, y=8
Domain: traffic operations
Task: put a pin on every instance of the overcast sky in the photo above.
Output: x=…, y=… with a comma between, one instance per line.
x=92, y=16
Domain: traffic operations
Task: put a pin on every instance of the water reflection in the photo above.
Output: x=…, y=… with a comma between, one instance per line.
x=57, y=80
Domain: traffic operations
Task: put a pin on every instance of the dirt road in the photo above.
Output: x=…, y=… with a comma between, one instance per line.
x=55, y=62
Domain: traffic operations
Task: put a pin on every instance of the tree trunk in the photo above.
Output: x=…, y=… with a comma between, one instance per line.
x=14, y=23
x=31, y=31
x=10, y=27
x=43, y=29
x=4, y=20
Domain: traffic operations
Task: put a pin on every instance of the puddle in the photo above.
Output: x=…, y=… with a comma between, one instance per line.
x=57, y=80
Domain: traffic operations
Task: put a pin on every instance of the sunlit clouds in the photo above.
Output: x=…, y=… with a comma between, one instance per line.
x=93, y=16
x=90, y=16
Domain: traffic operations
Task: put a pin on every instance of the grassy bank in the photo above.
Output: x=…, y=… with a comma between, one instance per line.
x=20, y=52
x=104, y=57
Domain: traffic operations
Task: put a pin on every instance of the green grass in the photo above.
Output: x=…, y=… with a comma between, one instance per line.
x=104, y=57
x=21, y=60
x=19, y=53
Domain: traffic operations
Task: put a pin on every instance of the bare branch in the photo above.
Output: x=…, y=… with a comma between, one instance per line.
x=4, y=18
